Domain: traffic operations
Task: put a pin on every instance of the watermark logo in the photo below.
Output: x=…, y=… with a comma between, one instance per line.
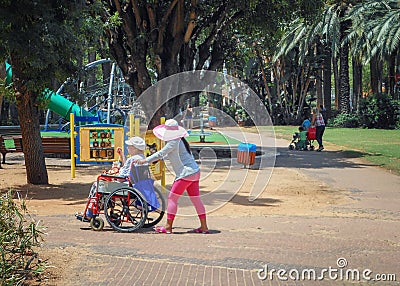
x=338, y=273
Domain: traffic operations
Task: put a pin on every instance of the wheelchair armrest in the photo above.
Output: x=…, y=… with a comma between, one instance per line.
x=114, y=177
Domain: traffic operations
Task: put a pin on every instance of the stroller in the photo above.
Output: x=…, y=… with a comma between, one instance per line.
x=295, y=144
x=128, y=203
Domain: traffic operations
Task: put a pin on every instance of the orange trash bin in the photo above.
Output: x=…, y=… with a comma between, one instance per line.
x=246, y=153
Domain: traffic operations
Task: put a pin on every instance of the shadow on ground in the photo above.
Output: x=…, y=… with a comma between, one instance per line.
x=316, y=160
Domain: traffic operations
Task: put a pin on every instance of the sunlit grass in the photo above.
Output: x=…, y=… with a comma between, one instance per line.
x=380, y=147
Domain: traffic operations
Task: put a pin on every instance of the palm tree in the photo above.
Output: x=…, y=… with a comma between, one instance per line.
x=376, y=37
x=329, y=31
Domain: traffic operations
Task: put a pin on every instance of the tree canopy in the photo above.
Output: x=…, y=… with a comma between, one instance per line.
x=43, y=41
x=151, y=40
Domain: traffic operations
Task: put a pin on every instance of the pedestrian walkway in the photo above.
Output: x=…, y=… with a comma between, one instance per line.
x=357, y=237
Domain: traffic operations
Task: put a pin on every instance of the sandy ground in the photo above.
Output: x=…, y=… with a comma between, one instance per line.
x=289, y=192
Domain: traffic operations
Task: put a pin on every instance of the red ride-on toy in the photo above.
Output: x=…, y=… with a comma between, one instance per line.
x=311, y=136
x=127, y=203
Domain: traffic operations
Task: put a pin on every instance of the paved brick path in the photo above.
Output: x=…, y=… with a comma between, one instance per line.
x=366, y=233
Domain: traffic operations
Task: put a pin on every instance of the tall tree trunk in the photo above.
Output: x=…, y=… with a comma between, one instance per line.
x=5, y=107
x=357, y=83
x=318, y=83
x=264, y=77
x=344, y=77
x=391, y=74
x=13, y=114
x=2, y=76
x=336, y=81
x=397, y=76
x=374, y=71
x=28, y=111
x=327, y=84
x=344, y=80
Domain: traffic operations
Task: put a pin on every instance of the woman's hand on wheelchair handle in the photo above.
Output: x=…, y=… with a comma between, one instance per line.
x=141, y=162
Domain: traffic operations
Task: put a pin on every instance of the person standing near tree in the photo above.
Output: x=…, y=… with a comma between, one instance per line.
x=319, y=123
x=188, y=117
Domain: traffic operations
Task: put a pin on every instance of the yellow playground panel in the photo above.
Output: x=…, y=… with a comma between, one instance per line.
x=153, y=144
x=99, y=144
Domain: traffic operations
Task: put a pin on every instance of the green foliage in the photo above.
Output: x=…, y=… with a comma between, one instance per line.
x=114, y=21
x=375, y=111
x=345, y=120
x=379, y=111
x=19, y=236
x=5, y=89
x=43, y=39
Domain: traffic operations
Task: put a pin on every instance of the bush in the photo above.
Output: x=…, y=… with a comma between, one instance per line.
x=19, y=236
x=345, y=120
x=379, y=111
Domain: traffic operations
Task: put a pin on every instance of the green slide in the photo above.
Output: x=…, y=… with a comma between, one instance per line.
x=63, y=106
x=8, y=74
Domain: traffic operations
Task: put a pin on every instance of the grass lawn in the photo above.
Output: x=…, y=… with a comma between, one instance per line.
x=380, y=147
x=54, y=134
x=215, y=137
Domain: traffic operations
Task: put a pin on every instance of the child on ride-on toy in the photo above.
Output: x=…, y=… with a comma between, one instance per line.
x=302, y=143
x=299, y=141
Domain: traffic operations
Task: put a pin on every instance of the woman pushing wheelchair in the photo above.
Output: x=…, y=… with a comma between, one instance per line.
x=187, y=172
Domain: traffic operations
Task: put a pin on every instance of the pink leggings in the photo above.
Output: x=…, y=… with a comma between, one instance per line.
x=193, y=190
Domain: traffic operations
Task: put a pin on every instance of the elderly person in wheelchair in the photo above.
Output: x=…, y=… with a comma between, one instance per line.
x=126, y=195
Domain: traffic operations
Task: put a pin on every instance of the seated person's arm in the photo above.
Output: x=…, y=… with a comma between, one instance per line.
x=125, y=169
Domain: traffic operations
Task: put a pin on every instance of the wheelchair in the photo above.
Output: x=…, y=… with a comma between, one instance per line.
x=127, y=203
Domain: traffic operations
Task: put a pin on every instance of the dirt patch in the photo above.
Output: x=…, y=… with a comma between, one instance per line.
x=288, y=192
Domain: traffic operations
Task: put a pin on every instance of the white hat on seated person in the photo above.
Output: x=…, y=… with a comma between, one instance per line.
x=136, y=142
x=170, y=131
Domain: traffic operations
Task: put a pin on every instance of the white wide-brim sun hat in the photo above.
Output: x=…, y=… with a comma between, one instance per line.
x=136, y=142
x=170, y=131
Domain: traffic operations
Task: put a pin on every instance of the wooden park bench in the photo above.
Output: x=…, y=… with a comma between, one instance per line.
x=57, y=145
x=60, y=146
x=10, y=144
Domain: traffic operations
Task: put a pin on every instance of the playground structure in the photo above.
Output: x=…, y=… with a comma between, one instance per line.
x=94, y=134
x=108, y=98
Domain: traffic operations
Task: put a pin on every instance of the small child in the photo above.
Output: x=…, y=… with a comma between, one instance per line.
x=306, y=123
x=302, y=143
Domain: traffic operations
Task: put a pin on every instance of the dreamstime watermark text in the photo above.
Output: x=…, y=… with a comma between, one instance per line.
x=339, y=273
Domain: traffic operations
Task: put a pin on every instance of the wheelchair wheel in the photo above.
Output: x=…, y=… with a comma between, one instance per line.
x=125, y=210
x=154, y=216
x=97, y=223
